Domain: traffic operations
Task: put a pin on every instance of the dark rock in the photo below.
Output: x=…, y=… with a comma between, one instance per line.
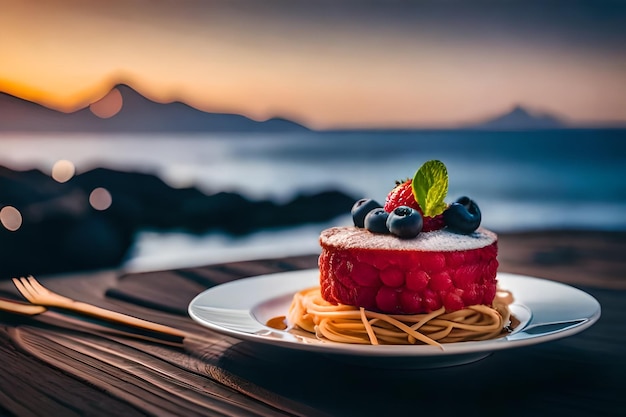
x=62, y=232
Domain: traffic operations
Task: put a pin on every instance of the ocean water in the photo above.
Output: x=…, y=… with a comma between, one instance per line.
x=521, y=180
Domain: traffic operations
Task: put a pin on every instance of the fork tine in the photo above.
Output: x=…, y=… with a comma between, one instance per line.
x=23, y=288
x=35, y=285
x=42, y=294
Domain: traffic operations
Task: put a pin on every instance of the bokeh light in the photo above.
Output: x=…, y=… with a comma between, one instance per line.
x=109, y=105
x=10, y=218
x=63, y=170
x=100, y=198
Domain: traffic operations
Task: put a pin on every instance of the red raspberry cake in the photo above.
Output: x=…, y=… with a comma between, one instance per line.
x=381, y=272
x=416, y=254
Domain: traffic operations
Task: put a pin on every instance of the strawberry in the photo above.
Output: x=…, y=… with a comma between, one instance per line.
x=402, y=195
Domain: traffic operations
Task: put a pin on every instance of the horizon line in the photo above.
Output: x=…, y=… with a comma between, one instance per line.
x=565, y=123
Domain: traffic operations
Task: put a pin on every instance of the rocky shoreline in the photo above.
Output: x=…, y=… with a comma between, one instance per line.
x=61, y=231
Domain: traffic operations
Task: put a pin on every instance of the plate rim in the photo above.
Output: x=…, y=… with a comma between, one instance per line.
x=288, y=340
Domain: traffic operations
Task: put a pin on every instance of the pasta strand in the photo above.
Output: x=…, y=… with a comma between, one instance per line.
x=347, y=324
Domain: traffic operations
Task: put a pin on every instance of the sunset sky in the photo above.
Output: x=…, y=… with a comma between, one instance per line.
x=326, y=64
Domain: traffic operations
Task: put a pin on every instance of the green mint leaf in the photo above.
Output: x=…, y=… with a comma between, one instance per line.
x=430, y=186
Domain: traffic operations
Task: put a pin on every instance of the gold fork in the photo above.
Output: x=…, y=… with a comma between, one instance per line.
x=37, y=294
x=32, y=310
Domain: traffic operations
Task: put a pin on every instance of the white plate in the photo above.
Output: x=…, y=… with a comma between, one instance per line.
x=547, y=310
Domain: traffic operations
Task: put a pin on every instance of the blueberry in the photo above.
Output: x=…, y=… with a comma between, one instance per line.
x=466, y=201
x=376, y=221
x=360, y=210
x=463, y=216
x=405, y=222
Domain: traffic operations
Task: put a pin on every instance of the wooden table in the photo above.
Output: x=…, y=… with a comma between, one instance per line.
x=58, y=366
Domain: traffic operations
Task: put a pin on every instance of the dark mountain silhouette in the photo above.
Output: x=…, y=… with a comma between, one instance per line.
x=519, y=118
x=138, y=114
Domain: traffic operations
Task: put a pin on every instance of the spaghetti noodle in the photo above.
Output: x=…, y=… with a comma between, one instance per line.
x=348, y=324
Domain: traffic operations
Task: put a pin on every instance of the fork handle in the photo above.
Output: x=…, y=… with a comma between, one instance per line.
x=115, y=317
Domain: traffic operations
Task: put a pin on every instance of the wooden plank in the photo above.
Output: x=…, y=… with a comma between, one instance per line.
x=172, y=291
x=30, y=387
x=217, y=274
x=595, y=259
x=167, y=291
x=78, y=371
x=158, y=380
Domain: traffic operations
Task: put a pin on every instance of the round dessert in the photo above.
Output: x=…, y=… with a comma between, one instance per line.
x=381, y=272
x=415, y=254
x=416, y=270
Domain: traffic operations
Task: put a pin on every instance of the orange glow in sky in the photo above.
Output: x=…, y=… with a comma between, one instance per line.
x=324, y=64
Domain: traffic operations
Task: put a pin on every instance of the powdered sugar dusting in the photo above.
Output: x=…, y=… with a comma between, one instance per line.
x=436, y=241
